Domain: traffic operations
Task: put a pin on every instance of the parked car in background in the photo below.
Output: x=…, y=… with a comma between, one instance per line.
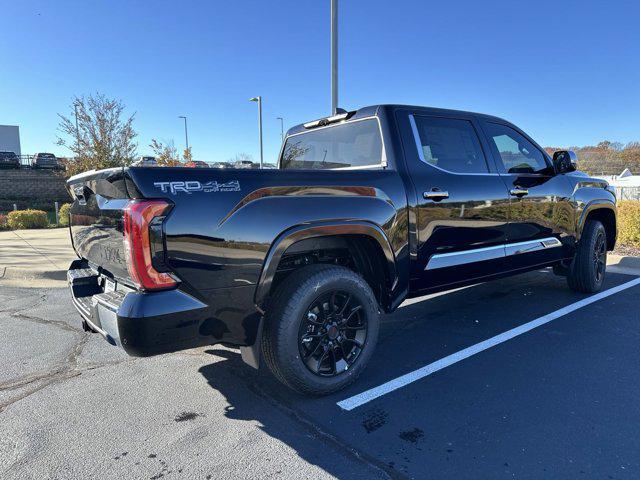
x=221, y=165
x=197, y=164
x=9, y=160
x=245, y=164
x=46, y=160
x=145, y=162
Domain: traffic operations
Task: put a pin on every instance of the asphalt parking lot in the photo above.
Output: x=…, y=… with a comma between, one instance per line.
x=556, y=401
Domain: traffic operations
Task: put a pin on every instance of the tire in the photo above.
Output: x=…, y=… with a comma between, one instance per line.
x=309, y=302
x=589, y=266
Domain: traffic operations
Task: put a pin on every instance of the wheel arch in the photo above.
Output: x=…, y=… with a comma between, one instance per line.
x=347, y=234
x=605, y=212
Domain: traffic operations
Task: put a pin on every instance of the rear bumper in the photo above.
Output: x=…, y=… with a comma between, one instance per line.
x=152, y=323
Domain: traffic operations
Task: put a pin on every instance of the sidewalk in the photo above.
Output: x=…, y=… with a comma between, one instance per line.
x=623, y=264
x=26, y=254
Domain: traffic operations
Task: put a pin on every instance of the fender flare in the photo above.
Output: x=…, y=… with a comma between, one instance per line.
x=592, y=205
x=321, y=229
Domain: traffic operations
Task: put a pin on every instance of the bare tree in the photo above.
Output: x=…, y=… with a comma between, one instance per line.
x=166, y=153
x=293, y=154
x=100, y=134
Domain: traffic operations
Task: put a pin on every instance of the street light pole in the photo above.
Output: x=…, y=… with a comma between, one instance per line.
x=334, y=57
x=259, y=100
x=186, y=136
x=281, y=128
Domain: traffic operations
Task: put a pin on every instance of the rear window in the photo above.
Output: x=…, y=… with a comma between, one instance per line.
x=353, y=144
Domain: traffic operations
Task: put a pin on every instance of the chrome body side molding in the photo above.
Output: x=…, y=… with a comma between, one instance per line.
x=443, y=260
x=452, y=259
x=530, y=246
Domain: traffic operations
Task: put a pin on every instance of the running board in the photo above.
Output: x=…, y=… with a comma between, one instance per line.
x=452, y=259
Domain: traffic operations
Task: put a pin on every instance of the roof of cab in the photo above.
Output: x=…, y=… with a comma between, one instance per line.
x=374, y=110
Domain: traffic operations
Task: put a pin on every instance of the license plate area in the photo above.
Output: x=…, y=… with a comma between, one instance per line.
x=107, y=284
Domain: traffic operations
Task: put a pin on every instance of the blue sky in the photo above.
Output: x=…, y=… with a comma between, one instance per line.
x=566, y=72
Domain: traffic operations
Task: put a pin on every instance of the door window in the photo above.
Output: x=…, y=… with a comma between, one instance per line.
x=517, y=154
x=450, y=144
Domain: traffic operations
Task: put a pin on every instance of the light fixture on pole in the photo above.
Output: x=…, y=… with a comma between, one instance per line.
x=259, y=100
x=186, y=136
x=281, y=127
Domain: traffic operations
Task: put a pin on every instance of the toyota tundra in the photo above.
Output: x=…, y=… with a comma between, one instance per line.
x=296, y=265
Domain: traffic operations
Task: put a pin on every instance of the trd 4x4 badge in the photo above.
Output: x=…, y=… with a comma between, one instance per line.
x=195, y=186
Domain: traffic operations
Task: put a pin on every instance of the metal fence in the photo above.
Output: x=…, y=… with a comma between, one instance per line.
x=628, y=193
x=25, y=160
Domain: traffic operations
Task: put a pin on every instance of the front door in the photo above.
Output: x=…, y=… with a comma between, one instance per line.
x=462, y=203
x=540, y=213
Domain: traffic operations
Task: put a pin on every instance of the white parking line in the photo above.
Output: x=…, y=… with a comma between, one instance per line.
x=376, y=392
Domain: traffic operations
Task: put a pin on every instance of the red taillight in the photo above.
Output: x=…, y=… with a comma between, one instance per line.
x=138, y=214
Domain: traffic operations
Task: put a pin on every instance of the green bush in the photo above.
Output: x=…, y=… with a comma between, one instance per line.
x=3, y=222
x=19, y=219
x=63, y=214
x=629, y=223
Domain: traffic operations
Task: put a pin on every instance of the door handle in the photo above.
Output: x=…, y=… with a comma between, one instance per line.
x=519, y=192
x=435, y=194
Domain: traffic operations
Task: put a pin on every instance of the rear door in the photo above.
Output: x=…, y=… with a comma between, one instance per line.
x=462, y=204
x=541, y=214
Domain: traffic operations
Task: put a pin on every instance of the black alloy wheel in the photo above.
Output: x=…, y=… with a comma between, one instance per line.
x=320, y=329
x=332, y=334
x=589, y=266
x=600, y=256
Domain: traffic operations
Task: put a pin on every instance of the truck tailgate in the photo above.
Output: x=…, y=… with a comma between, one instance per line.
x=96, y=219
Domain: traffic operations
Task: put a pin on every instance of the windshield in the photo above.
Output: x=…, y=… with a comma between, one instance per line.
x=352, y=144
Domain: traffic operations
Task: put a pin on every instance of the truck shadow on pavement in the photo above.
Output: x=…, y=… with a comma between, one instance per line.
x=256, y=396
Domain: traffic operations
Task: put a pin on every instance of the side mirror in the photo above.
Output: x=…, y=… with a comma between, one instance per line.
x=565, y=161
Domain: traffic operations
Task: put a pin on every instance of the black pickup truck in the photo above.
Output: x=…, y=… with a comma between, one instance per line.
x=296, y=265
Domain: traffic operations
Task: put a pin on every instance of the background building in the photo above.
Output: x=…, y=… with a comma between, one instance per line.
x=626, y=184
x=10, y=139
